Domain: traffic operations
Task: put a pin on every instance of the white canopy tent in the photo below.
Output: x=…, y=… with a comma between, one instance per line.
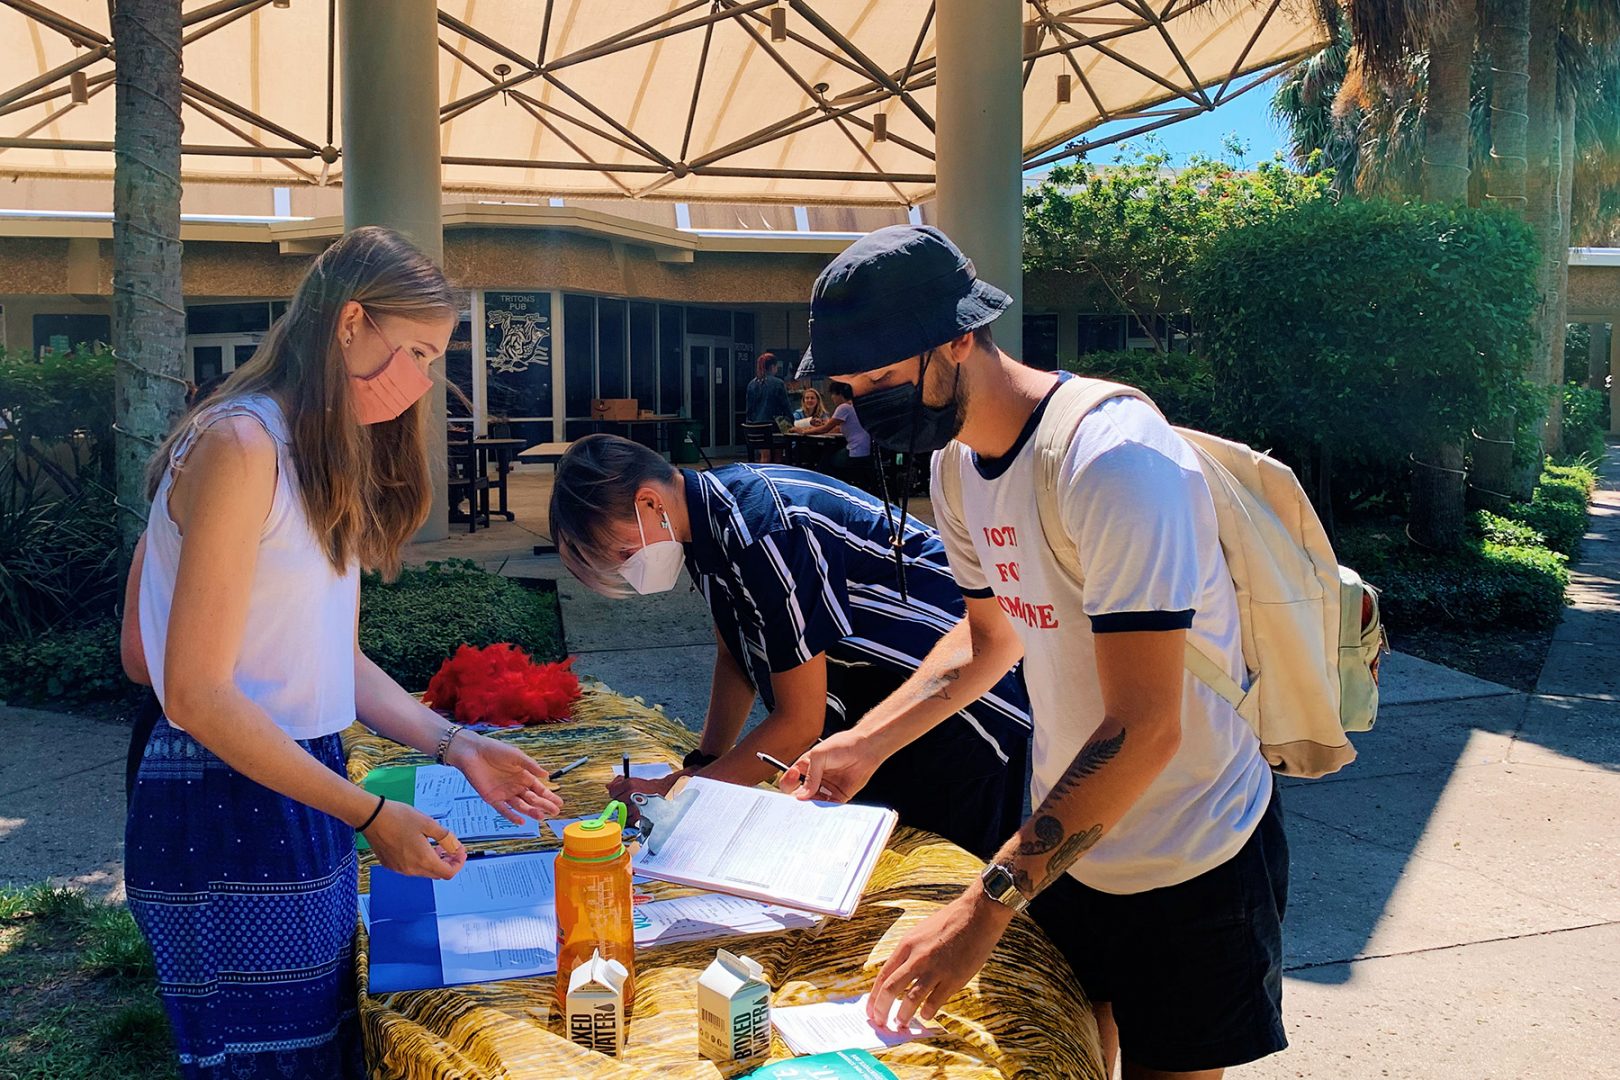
x=824, y=101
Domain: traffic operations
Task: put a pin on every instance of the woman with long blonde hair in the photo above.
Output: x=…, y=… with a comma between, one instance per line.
x=306, y=465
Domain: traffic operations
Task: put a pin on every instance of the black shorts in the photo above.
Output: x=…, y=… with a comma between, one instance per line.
x=1193, y=971
x=949, y=781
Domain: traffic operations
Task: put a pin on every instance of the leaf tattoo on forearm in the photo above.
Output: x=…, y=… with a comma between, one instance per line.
x=1093, y=756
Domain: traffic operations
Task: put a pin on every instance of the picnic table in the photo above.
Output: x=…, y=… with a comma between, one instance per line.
x=1023, y=1017
x=807, y=450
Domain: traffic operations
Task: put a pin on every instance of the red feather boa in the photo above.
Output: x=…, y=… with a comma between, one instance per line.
x=501, y=685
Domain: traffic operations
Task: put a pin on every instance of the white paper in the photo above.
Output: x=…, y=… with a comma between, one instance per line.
x=771, y=846
x=713, y=915
x=504, y=945
x=504, y=883
x=827, y=1026
x=443, y=793
x=650, y=770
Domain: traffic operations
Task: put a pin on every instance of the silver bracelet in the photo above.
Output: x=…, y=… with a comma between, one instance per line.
x=445, y=741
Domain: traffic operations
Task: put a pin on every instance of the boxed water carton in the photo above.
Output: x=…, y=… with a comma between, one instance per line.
x=594, y=1011
x=734, y=1009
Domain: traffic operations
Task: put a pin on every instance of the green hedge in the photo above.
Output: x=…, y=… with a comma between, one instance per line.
x=1487, y=583
x=1586, y=420
x=412, y=625
x=1563, y=523
x=1501, y=530
x=408, y=627
x=72, y=664
x=1181, y=384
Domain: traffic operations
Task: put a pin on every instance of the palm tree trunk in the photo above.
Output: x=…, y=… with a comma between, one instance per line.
x=1447, y=132
x=1566, y=194
x=1541, y=190
x=1507, y=30
x=149, y=318
x=1438, y=497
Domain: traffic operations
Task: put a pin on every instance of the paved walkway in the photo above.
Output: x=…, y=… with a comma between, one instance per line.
x=1456, y=892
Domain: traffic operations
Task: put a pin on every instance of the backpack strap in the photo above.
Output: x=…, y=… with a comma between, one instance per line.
x=1070, y=403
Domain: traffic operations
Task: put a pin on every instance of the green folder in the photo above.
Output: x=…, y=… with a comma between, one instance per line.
x=397, y=782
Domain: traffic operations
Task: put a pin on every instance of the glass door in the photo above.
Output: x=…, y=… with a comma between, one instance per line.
x=717, y=398
x=215, y=355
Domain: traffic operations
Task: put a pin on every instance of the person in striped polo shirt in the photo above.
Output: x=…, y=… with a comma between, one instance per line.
x=799, y=573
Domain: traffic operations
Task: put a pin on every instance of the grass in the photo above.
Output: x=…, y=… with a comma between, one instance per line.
x=76, y=991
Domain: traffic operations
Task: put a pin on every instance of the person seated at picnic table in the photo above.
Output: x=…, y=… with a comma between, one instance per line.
x=800, y=578
x=242, y=613
x=811, y=410
x=851, y=462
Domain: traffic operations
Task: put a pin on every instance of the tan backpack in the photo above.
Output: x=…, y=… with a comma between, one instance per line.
x=1312, y=636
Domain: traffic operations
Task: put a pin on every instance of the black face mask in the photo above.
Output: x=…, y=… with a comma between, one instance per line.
x=899, y=420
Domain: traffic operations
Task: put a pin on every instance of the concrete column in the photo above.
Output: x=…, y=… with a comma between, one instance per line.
x=979, y=143
x=390, y=52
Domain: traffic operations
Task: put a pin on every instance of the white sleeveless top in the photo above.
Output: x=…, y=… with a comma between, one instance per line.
x=297, y=657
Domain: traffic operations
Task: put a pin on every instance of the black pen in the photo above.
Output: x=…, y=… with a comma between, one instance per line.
x=627, y=766
x=568, y=768
x=772, y=762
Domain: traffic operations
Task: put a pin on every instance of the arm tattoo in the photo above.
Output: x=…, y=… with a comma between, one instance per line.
x=1093, y=756
x=1048, y=835
x=1074, y=846
x=942, y=682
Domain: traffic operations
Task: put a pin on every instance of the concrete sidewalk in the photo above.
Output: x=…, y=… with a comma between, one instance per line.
x=1455, y=907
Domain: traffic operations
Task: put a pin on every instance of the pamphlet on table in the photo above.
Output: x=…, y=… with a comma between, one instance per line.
x=841, y=1025
x=443, y=794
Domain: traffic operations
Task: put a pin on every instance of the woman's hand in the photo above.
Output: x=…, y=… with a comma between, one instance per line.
x=400, y=836
x=507, y=778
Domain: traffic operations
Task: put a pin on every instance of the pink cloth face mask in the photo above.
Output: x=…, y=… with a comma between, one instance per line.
x=391, y=389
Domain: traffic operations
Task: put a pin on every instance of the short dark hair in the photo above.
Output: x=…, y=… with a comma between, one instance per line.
x=983, y=338
x=596, y=485
x=842, y=389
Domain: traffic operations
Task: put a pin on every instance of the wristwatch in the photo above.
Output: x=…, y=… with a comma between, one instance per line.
x=999, y=886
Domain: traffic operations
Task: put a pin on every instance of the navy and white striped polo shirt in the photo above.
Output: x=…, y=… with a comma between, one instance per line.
x=794, y=563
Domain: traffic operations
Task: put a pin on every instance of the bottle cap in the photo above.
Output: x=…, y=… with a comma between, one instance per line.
x=597, y=838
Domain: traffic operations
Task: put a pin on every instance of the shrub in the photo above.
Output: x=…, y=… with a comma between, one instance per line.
x=1562, y=523
x=59, y=556
x=1487, y=583
x=1501, y=530
x=1562, y=489
x=1586, y=420
x=1573, y=470
x=1181, y=384
x=411, y=626
x=71, y=664
x=1358, y=332
x=49, y=398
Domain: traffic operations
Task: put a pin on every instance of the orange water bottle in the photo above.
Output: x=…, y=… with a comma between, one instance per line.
x=594, y=899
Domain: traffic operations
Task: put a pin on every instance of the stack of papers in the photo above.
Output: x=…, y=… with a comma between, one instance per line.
x=767, y=845
x=841, y=1025
x=443, y=794
x=711, y=915
x=496, y=919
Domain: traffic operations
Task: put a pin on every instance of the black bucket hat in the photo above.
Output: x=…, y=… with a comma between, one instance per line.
x=893, y=294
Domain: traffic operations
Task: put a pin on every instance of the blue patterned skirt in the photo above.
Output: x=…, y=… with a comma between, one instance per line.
x=248, y=900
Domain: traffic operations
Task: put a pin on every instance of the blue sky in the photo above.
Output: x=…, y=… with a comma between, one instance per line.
x=1248, y=117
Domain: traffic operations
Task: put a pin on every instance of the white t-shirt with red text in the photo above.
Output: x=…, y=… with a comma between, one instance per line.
x=1136, y=505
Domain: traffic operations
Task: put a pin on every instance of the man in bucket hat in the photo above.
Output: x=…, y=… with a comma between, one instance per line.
x=1155, y=858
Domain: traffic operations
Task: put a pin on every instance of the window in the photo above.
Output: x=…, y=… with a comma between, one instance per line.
x=644, y=354
x=517, y=352
x=458, y=369
x=671, y=348
x=612, y=380
x=64, y=333
x=579, y=341
x=715, y=322
x=228, y=318
x=1041, y=341
x=1101, y=333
